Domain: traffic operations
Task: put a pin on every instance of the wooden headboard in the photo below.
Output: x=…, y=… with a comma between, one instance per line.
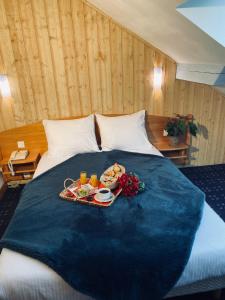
x=34, y=136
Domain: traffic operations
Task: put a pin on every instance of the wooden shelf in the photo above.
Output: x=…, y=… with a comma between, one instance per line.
x=19, y=169
x=178, y=153
x=23, y=169
x=172, y=156
x=167, y=147
x=14, y=178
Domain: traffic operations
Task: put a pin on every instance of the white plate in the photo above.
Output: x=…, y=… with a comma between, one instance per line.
x=89, y=188
x=105, y=200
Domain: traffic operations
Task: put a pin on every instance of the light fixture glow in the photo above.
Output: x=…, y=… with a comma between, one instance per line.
x=4, y=86
x=158, y=77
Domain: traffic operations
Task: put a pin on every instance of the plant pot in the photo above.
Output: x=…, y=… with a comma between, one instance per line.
x=182, y=139
x=174, y=140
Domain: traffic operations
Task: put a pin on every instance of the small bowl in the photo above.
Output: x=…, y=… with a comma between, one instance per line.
x=111, y=185
x=114, y=183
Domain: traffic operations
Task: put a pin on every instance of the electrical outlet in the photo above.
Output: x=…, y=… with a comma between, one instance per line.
x=21, y=144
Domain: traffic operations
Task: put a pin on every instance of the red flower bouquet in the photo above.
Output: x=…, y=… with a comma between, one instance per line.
x=130, y=184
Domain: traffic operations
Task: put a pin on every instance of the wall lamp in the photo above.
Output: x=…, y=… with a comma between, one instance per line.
x=4, y=86
x=158, y=77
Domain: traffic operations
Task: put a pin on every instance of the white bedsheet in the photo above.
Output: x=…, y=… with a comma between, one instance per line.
x=23, y=278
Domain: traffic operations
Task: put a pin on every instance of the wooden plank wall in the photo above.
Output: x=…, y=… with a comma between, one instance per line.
x=66, y=58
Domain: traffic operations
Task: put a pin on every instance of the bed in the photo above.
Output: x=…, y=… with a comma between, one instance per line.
x=22, y=277
x=34, y=280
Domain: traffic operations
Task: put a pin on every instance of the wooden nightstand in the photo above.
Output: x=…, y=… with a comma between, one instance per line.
x=178, y=153
x=24, y=169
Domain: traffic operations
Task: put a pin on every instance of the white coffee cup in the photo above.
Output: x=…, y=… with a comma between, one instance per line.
x=104, y=194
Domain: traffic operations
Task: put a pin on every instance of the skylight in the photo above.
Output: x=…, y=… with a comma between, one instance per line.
x=208, y=15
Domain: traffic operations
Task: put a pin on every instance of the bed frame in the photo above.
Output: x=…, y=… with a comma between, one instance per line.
x=35, y=140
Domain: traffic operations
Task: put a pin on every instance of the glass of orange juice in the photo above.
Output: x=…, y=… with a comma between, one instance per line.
x=94, y=180
x=83, y=177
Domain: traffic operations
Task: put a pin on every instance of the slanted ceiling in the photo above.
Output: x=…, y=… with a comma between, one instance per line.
x=159, y=23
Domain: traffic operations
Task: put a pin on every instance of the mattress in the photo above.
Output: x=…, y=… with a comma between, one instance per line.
x=22, y=277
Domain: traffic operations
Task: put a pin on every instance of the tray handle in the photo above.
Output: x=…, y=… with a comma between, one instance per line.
x=65, y=182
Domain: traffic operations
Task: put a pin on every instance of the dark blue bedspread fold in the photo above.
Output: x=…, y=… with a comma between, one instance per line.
x=135, y=249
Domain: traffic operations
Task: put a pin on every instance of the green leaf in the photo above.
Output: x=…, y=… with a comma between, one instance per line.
x=193, y=128
x=141, y=186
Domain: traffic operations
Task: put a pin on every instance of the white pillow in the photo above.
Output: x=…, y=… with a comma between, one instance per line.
x=126, y=133
x=69, y=137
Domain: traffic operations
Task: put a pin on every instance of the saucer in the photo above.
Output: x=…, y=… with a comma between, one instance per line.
x=105, y=200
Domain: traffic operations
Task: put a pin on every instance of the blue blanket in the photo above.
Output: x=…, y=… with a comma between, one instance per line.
x=135, y=249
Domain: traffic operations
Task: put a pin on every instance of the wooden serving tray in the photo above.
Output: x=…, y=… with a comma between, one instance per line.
x=90, y=200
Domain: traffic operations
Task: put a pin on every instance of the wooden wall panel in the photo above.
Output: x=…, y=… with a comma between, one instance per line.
x=46, y=59
x=70, y=59
x=81, y=54
x=139, y=87
x=208, y=107
x=105, y=62
x=66, y=58
x=128, y=72
x=56, y=48
x=148, y=76
x=33, y=58
x=116, y=67
x=93, y=53
x=9, y=68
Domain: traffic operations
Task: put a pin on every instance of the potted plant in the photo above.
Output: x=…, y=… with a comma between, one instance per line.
x=177, y=128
